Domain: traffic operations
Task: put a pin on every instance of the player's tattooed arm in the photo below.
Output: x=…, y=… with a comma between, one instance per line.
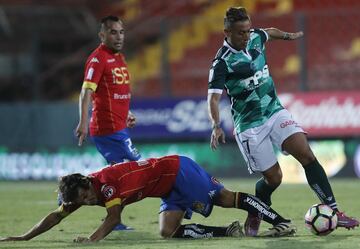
x=214, y=115
x=84, y=103
x=276, y=34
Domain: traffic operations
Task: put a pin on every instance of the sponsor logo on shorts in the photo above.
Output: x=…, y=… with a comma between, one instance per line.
x=287, y=123
x=212, y=193
x=108, y=191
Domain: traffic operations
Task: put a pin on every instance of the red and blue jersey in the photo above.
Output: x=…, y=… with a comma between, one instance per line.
x=125, y=183
x=106, y=73
x=179, y=181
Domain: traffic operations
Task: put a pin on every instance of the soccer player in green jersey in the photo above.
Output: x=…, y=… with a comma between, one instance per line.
x=260, y=121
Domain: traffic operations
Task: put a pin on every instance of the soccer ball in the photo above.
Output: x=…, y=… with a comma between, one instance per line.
x=321, y=219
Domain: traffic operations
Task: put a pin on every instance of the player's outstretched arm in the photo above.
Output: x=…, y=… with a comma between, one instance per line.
x=111, y=220
x=44, y=225
x=277, y=34
x=84, y=103
x=214, y=115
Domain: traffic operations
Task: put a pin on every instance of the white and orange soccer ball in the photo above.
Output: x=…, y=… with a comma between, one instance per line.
x=321, y=219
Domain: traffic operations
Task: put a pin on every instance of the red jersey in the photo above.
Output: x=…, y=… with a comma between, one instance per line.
x=125, y=183
x=106, y=73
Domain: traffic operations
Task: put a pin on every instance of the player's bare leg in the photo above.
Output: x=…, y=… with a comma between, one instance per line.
x=169, y=221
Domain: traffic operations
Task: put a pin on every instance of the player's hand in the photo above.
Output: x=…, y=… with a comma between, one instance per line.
x=216, y=135
x=13, y=238
x=294, y=36
x=131, y=120
x=81, y=132
x=82, y=240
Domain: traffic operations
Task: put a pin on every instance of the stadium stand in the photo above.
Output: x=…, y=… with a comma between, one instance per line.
x=169, y=47
x=190, y=61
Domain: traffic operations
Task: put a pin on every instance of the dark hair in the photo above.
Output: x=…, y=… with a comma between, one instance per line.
x=104, y=21
x=109, y=18
x=235, y=14
x=69, y=186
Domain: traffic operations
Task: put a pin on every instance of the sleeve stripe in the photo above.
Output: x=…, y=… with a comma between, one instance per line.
x=89, y=84
x=219, y=91
x=116, y=201
x=266, y=34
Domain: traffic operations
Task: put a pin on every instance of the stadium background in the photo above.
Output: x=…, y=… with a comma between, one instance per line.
x=169, y=48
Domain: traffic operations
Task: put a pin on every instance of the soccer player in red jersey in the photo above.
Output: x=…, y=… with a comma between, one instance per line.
x=183, y=186
x=107, y=82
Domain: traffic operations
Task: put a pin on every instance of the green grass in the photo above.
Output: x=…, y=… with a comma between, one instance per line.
x=22, y=204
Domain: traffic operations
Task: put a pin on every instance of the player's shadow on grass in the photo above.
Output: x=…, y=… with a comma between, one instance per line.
x=130, y=237
x=136, y=238
x=305, y=241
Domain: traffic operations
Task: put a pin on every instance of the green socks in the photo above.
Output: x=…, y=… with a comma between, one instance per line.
x=319, y=183
x=263, y=191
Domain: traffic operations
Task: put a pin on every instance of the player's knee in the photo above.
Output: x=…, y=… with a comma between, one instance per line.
x=307, y=159
x=166, y=233
x=305, y=156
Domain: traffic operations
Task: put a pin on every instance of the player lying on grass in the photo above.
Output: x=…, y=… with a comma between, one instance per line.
x=183, y=186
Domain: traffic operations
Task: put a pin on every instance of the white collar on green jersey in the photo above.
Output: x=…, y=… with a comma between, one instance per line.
x=244, y=51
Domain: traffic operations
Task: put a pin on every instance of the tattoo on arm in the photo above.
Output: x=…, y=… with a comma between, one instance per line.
x=286, y=36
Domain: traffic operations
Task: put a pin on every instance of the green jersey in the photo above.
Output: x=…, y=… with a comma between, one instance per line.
x=245, y=77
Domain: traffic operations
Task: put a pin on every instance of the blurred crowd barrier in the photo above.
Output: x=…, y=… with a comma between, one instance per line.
x=51, y=125
x=37, y=139
x=339, y=157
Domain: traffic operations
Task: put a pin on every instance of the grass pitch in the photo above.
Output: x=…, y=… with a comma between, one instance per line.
x=22, y=204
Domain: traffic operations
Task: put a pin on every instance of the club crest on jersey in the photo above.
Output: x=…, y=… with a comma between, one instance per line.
x=108, y=191
x=257, y=47
x=94, y=60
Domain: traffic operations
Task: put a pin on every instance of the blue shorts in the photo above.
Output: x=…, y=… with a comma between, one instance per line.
x=194, y=190
x=116, y=147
